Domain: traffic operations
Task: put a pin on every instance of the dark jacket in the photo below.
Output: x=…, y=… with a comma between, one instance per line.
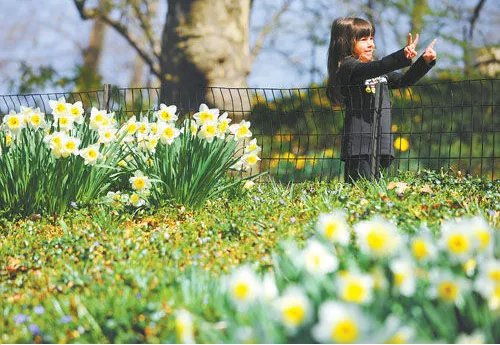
x=363, y=102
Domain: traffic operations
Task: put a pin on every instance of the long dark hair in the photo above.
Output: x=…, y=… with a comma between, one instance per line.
x=345, y=32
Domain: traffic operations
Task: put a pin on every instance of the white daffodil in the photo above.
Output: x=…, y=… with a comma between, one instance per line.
x=184, y=327
x=136, y=200
x=208, y=131
x=457, y=239
x=447, y=287
x=355, y=287
x=482, y=232
x=476, y=337
x=55, y=140
x=243, y=286
x=107, y=135
x=8, y=138
x=422, y=246
x=377, y=237
x=139, y=182
x=130, y=127
x=380, y=282
x=404, y=276
x=394, y=331
x=253, y=147
x=248, y=185
x=317, y=259
x=36, y=119
x=250, y=159
x=14, y=122
x=168, y=133
x=294, y=308
x=99, y=118
x=222, y=125
x=69, y=146
x=340, y=323
x=63, y=122
x=488, y=282
x=241, y=130
x=333, y=226
x=76, y=111
x=143, y=126
x=205, y=115
x=269, y=288
x=166, y=114
x=90, y=154
x=59, y=107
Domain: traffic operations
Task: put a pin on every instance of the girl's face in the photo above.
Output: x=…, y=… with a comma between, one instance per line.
x=364, y=48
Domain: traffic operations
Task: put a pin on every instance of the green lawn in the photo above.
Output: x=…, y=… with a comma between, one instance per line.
x=102, y=275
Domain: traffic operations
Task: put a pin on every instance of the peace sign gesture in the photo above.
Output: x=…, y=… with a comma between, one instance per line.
x=429, y=53
x=411, y=45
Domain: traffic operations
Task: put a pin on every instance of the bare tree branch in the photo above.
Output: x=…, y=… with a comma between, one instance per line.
x=268, y=28
x=145, y=24
x=93, y=13
x=475, y=16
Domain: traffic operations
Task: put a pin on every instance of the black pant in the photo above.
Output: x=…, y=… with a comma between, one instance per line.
x=357, y=167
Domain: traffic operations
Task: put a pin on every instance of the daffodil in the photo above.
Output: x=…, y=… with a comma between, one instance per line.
x=107, y=135
x=59, y=107
x=355, y=287
x=184, y=328
x=63, y=122
x=269, y=288
x=140, y=182
x=166, y=114
x=333, y=226
x=488, y=282
x=136, y=200
x=205, y=115
x=377, y=237
x=422, y=246
x=243, y=286
x=394, y=331
x=482, y=232
x=457, y=239
x=143, y=126
x=90, y=154
x=223, y=125
x=99, y=119
x=402, y=144
x=130, y=127
x=340, y=323
x=404, y=276
x=293, y=308
x=36, y=119
x=70, y=146
x=476, y=337
x=76, y=111
x=317, y=259
x=14, y=122
x=253, y=147
x=208, y=131
x=447, y=287
x=241, y=130
x=250, y=159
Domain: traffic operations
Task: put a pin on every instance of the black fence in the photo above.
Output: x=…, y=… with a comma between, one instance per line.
x=444, y=124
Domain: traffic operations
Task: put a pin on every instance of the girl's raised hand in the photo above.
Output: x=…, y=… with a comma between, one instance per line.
x=411, y=45
x=429, y=53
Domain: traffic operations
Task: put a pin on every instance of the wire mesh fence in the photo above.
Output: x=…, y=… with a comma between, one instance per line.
x=452, y=125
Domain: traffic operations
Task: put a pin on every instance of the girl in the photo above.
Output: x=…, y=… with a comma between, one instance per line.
x=362, y=86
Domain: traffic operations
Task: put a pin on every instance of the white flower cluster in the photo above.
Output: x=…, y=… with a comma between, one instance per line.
x=416, y=267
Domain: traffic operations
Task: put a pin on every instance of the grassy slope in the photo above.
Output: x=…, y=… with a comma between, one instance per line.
x=100, y=260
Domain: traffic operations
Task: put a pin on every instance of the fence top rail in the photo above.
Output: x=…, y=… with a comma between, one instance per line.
x=62, y=93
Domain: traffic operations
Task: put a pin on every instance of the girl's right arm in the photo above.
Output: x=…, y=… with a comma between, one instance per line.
x=360, y=71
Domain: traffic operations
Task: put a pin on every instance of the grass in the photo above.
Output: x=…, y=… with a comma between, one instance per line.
x=108, y=276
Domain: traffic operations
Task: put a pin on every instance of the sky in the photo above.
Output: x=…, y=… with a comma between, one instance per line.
x=43, y=32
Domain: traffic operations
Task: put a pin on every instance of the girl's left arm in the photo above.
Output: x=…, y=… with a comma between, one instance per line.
x=416, y=71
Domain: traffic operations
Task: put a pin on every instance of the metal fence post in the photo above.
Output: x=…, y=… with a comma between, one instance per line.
x=106, y=95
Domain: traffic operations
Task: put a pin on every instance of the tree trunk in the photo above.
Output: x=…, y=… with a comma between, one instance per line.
x=205, y=44
x=89, y=77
